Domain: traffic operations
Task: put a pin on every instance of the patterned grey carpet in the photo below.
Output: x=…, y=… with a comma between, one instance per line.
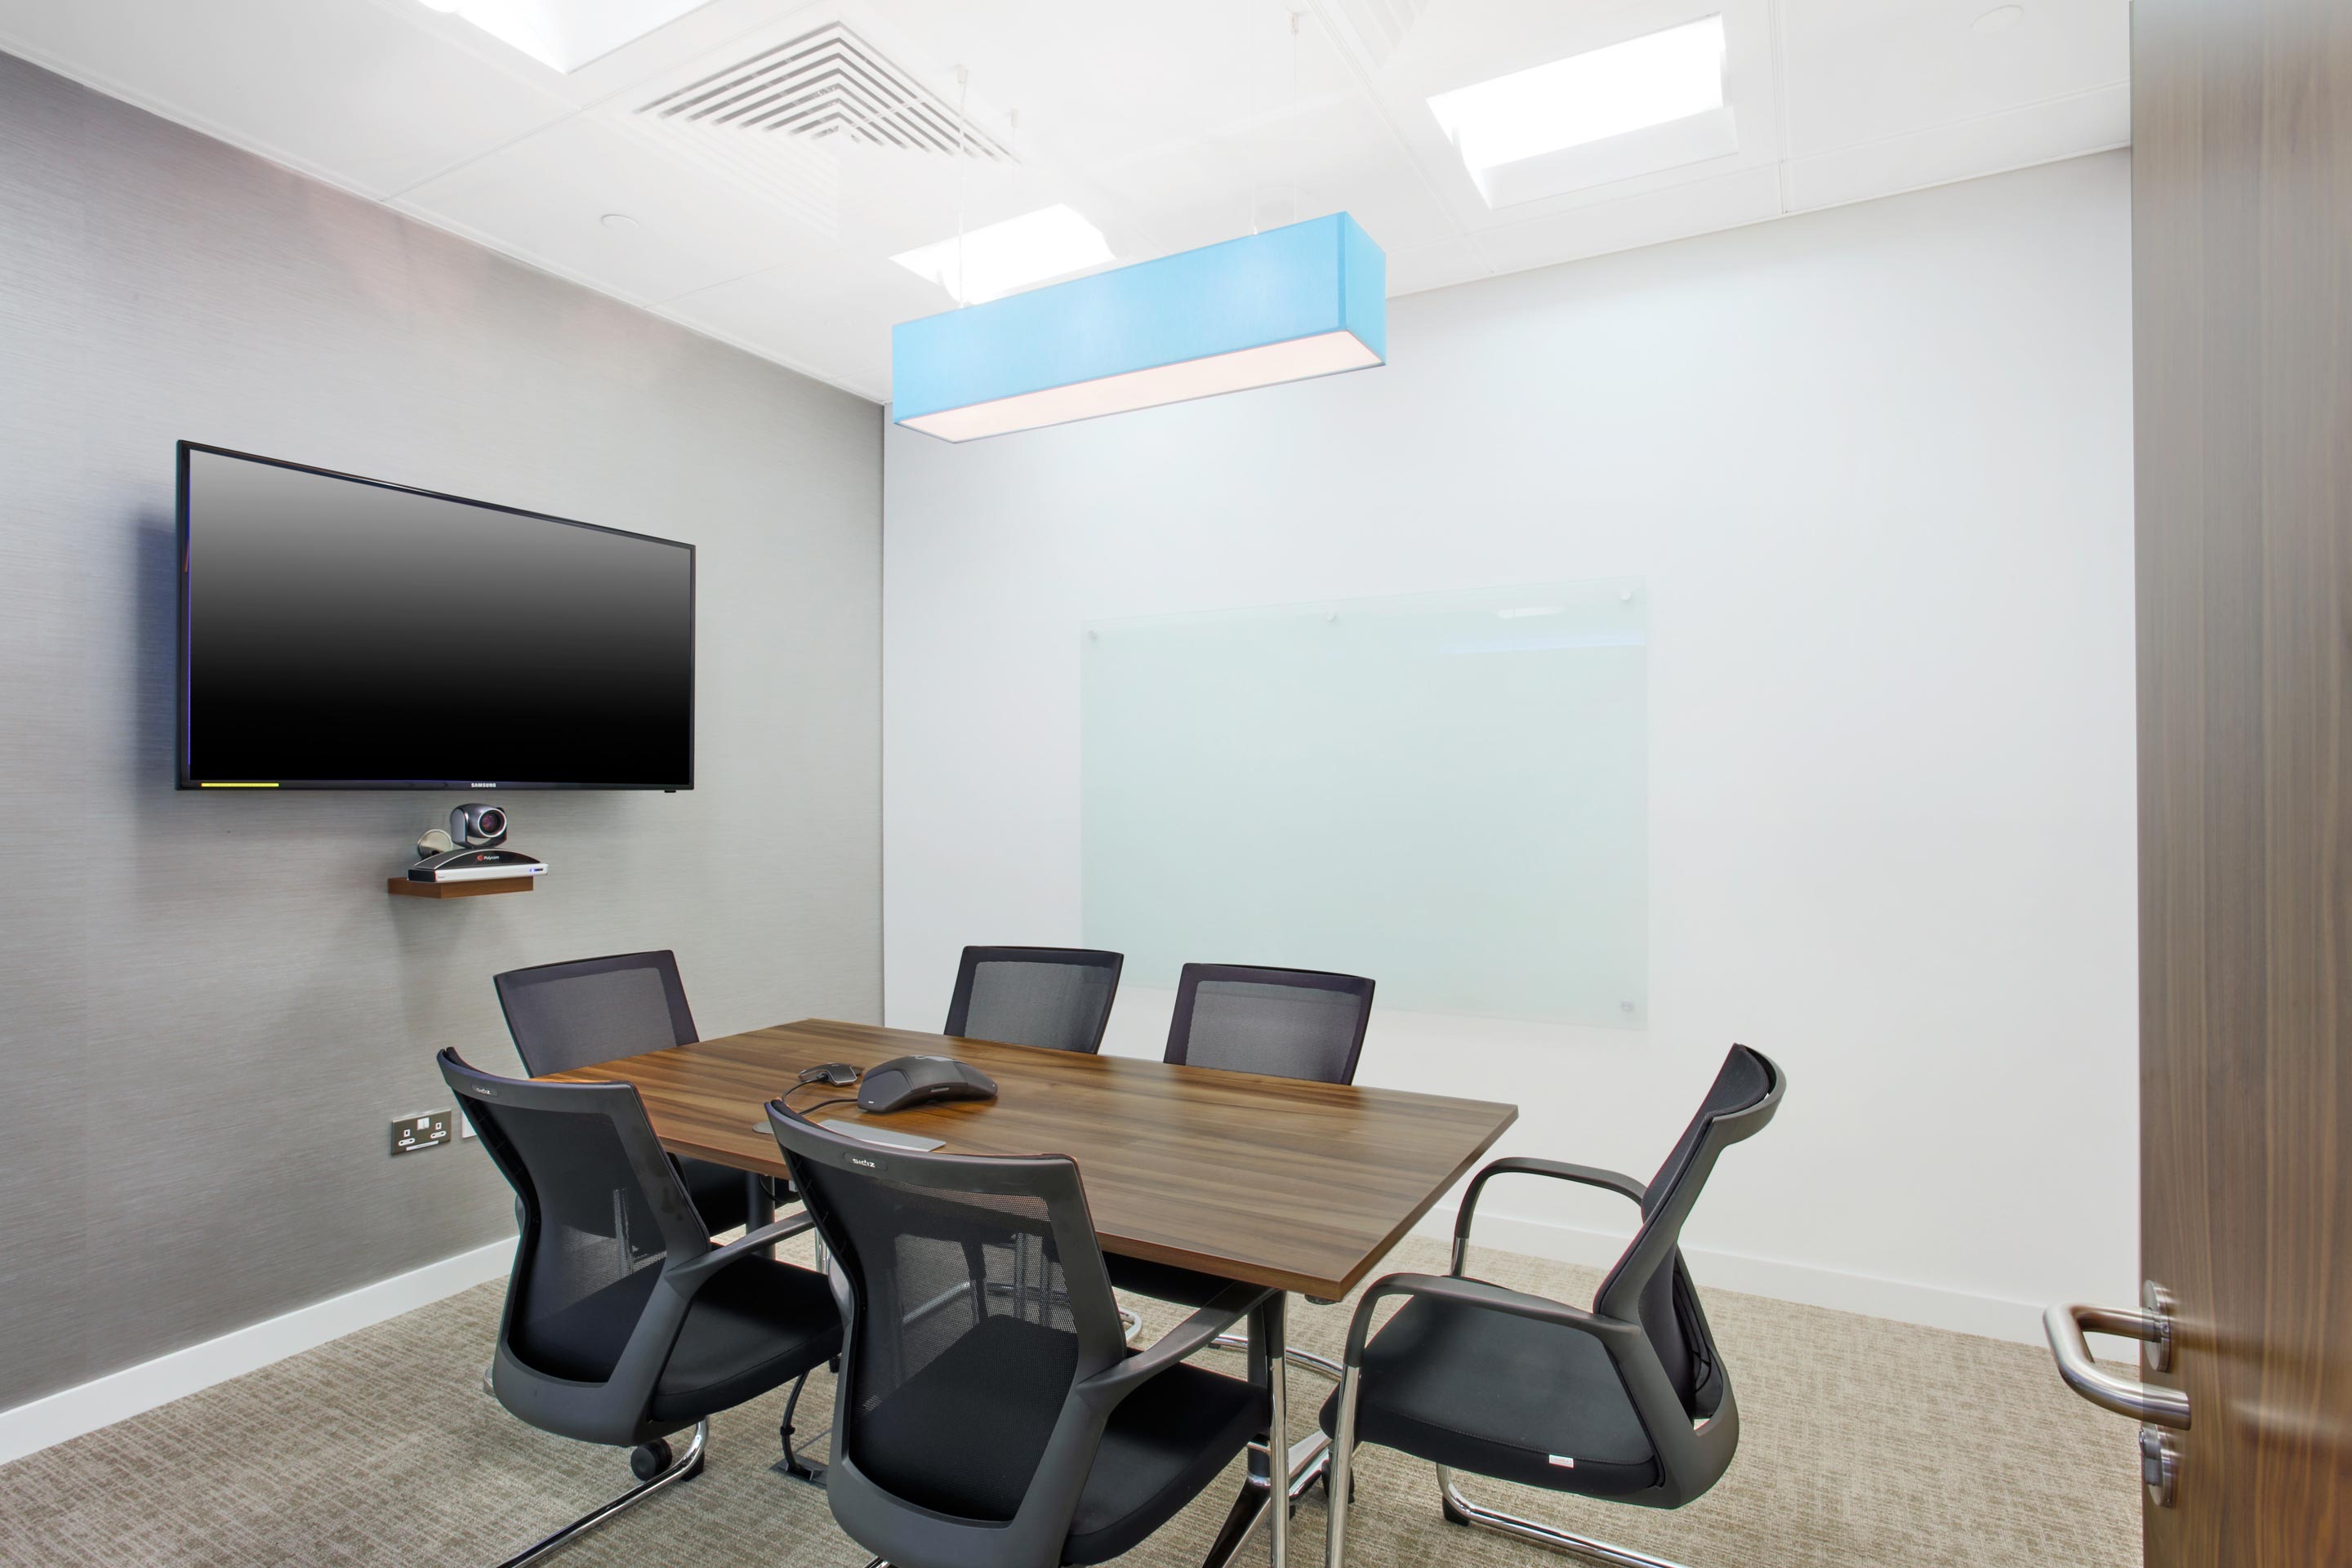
x=1863, y=1443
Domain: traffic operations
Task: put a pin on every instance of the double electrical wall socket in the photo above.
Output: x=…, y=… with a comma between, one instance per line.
x=411, y=1133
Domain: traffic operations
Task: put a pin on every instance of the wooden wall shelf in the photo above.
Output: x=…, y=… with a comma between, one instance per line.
x=402, y=886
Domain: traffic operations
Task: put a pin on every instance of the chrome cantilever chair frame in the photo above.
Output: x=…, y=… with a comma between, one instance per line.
x=1691, y=1455
x=828, y=1167
x=1460, y=1510
x=614, y=1403
x=683, y=1466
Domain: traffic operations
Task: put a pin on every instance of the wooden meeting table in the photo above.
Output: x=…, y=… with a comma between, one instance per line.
x=1271, y=1181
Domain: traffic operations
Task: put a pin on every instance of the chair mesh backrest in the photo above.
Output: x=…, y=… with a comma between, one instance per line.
x=568, y=1016
x=594, y=1237
x=970, y=1322
x=1052, y=997
x=1668, y=1307
x=1288, y=1022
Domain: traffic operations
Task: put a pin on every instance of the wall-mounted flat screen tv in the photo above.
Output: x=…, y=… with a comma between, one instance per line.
x=341, y=633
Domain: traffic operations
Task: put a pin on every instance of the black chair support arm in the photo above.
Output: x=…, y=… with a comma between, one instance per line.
x=1559, y=1170
x=1188, y=1338
x=1478, y=1293
x=689, y=1277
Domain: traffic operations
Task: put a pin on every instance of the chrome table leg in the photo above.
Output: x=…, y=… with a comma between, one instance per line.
x=1278, y=1443
x=1340, y=1477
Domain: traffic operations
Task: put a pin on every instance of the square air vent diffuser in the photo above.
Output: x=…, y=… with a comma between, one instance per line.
x=824, y=84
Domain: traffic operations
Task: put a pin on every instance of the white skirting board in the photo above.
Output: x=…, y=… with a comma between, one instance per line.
x=102, y=1402
x=1931, y=1306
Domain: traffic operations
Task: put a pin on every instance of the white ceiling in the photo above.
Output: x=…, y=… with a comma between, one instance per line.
x=1169, y=123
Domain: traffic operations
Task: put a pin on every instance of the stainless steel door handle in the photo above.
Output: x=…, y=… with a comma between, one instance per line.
x=2153, y=1405
x=2066, y=1323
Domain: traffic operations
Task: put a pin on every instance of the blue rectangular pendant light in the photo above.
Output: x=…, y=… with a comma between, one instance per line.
x=1306, y=300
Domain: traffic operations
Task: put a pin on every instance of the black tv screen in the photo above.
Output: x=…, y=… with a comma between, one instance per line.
x=341, y=633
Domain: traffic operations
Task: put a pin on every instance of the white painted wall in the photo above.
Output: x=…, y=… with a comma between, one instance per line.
x=1875, y=464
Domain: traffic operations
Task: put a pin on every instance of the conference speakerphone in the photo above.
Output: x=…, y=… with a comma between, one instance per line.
x=475, y=866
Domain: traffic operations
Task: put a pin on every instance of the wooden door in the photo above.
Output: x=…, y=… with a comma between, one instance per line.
x=2241, y=192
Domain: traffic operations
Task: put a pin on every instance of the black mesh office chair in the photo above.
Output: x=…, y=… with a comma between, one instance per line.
x=1056, y=997
x=575, y=1015
x=1628, y=1402
x=624, y=1324
x=1284, y=1023
x=975, y=1427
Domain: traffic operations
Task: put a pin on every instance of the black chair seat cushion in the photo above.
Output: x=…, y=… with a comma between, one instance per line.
x=755, y=1325
x=1502, y=1395
x=947, y=1439
x=1163, y=1281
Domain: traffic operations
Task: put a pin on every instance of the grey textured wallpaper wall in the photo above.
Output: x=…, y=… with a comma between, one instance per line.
x=209, y=1007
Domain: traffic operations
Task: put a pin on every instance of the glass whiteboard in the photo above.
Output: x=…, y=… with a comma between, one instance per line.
x=1446, y=792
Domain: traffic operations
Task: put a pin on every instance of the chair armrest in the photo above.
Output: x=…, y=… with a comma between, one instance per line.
x=1560, y=1169
x=1474, y=1293
x=690, y=1276
x=1185, y=1339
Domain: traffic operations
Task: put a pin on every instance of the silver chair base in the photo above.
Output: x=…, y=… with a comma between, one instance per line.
x=1305, y=1361
x=683, y=1466
x=1591, y=1551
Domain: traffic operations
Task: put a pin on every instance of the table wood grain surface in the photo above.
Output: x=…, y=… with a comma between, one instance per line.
x=1302, y=1186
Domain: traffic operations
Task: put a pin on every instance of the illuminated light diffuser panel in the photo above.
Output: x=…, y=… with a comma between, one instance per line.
x=1306, y=300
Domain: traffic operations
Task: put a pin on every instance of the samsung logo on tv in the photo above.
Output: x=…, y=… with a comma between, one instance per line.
x=481, y=786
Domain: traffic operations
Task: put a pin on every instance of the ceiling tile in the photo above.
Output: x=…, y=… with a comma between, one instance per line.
x=826, y=313
x=543, y=198
x=352, y=93
x=1097, y=84
x=1861, y=69
x=1332, y=155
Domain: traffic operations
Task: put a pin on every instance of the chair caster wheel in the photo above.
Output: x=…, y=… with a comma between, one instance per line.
x=648, y=1460
x=1453, y=1515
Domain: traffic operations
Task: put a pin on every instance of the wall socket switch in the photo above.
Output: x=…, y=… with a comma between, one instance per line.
x=411, y=1133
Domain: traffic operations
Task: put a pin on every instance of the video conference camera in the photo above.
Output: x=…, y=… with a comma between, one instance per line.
x=470, y=851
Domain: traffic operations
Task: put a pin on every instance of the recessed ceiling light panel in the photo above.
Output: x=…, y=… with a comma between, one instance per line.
x=1610, y=113
x=1001, y=258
